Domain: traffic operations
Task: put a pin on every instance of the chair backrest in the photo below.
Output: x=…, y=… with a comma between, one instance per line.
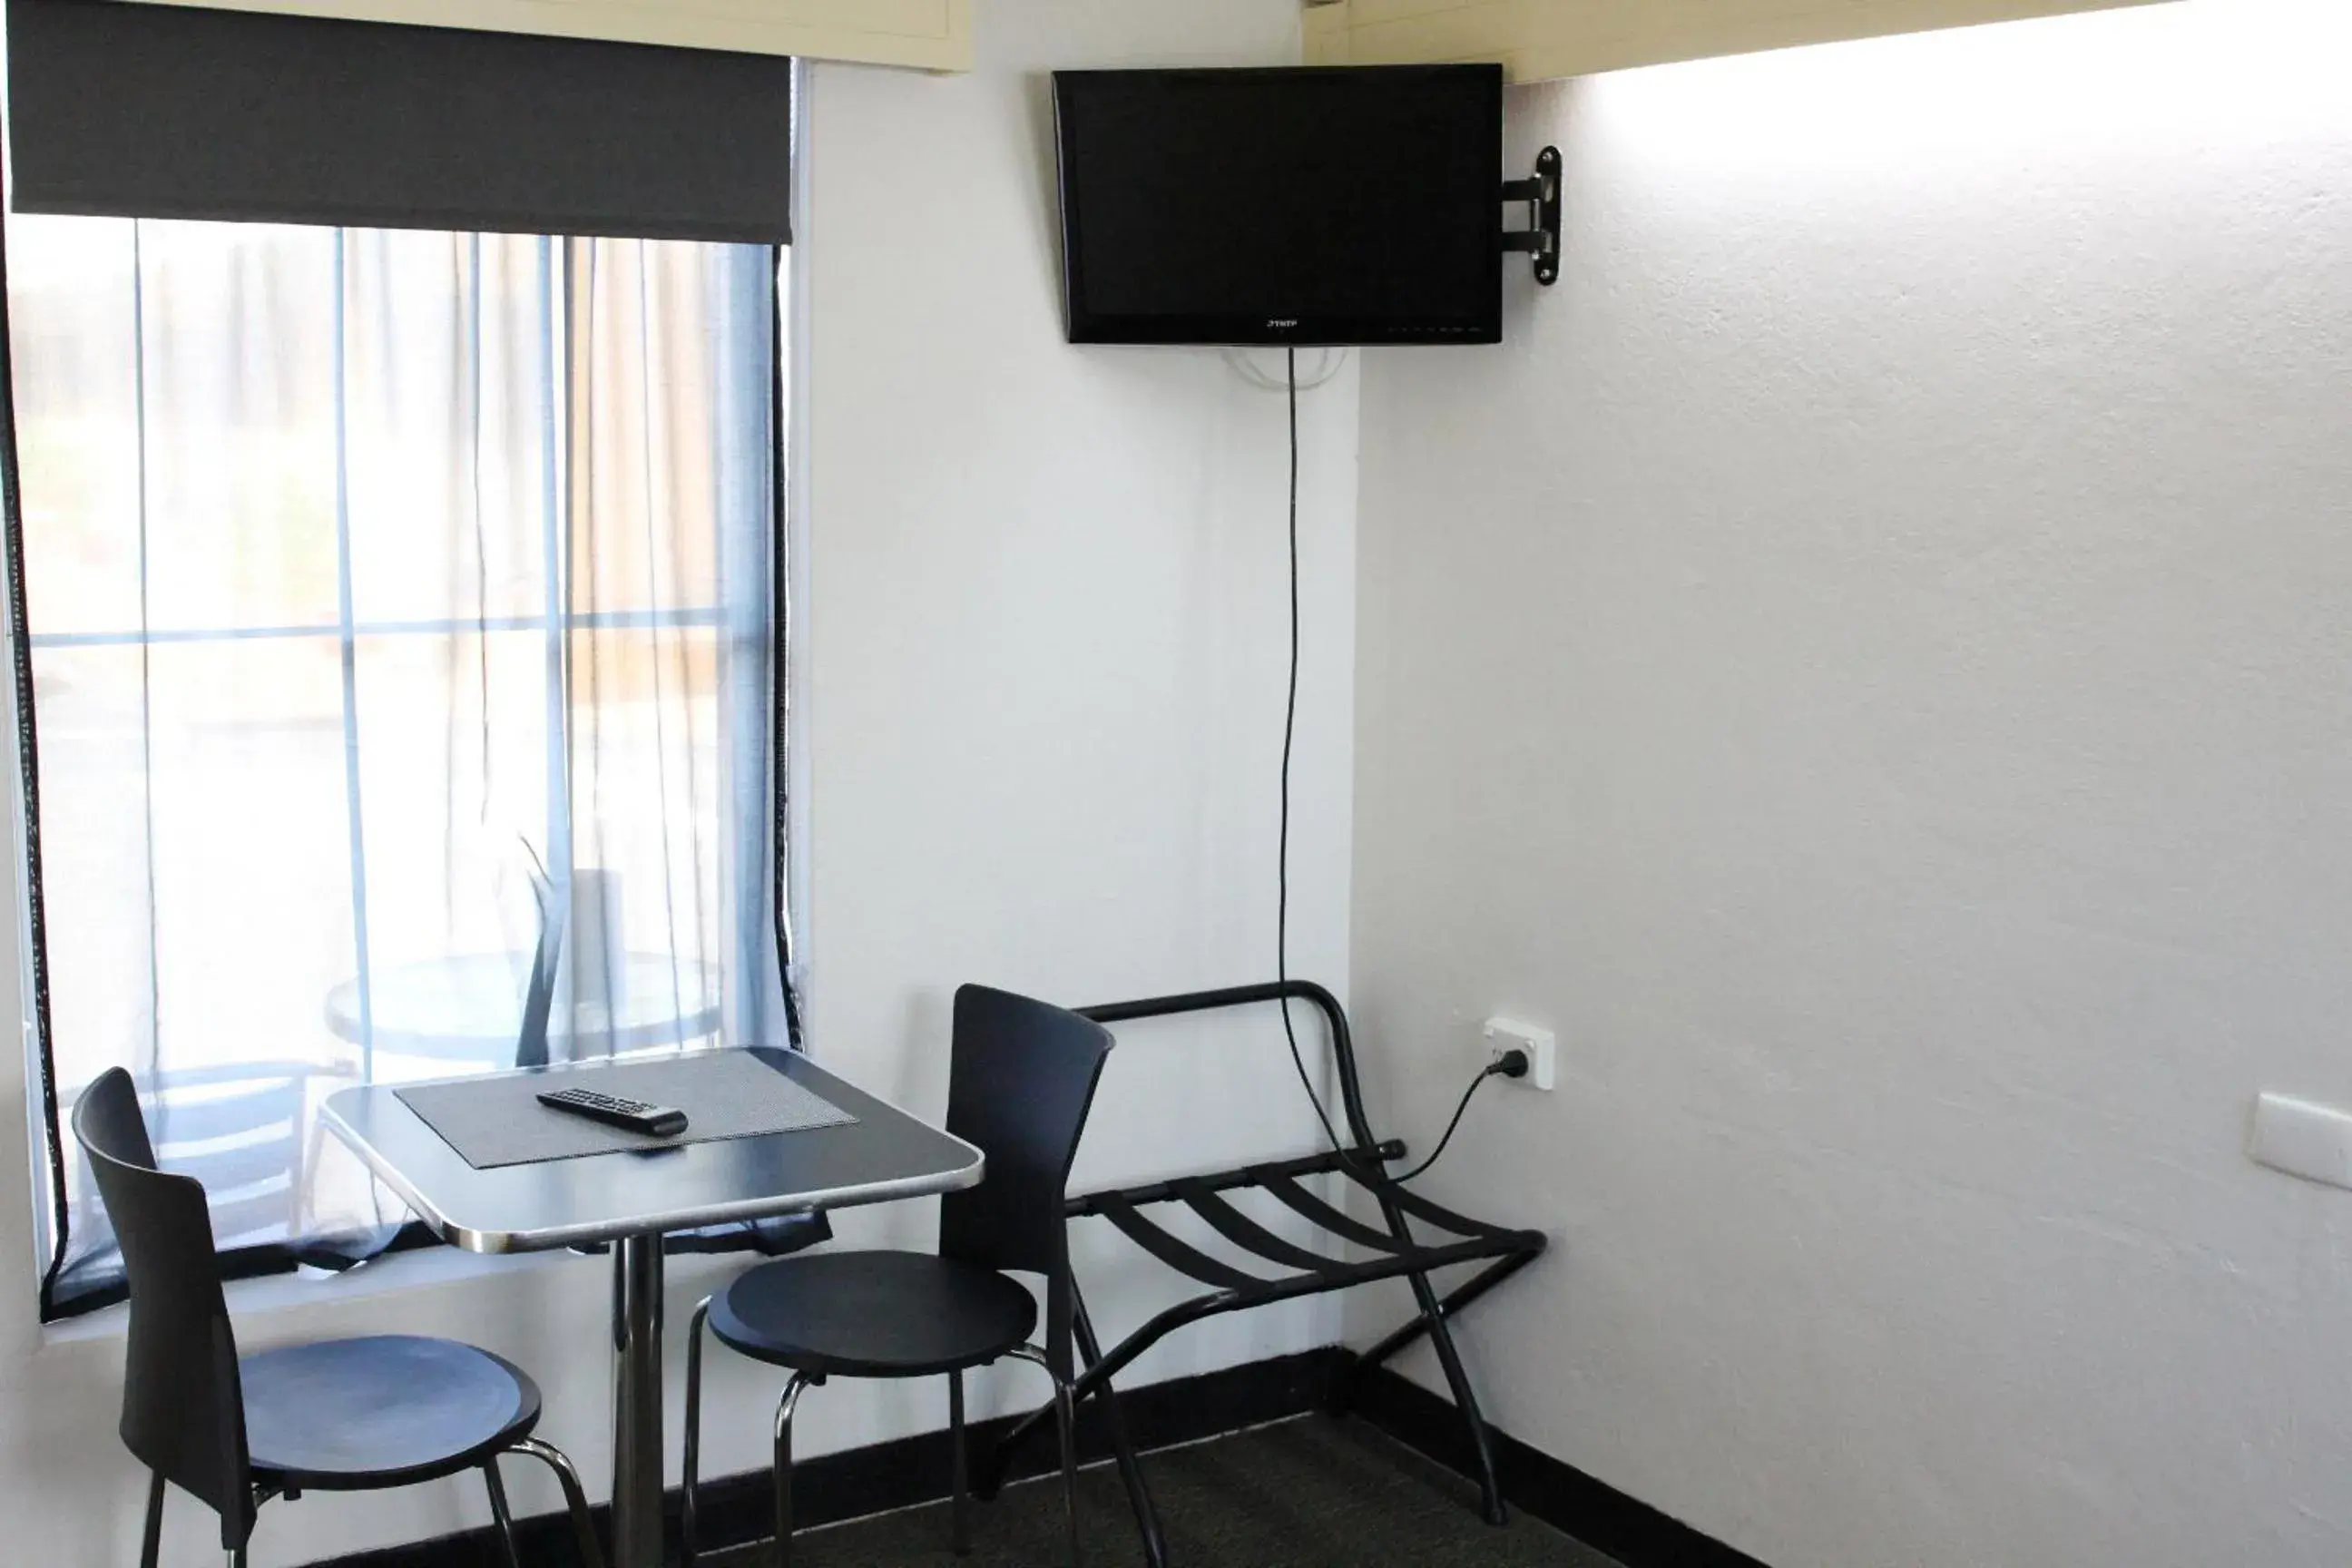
x=182, y=1405
x=237, y=1129
x=1022, y=1079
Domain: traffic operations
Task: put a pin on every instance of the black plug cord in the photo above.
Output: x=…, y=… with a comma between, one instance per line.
x=1511, y=1064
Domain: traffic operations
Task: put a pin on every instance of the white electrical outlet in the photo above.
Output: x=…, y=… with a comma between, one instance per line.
x=1505, y=1035
x=2313, y=1142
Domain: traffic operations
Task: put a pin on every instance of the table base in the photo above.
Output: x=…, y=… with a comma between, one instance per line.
x=637, y=1402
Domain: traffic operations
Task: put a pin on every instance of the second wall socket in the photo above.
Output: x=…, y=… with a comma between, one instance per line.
x=1504, y=1035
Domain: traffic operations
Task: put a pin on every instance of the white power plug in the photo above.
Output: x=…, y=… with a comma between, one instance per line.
x=1504, y=1036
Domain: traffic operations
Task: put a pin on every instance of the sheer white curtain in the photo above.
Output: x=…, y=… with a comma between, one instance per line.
x=402, y=617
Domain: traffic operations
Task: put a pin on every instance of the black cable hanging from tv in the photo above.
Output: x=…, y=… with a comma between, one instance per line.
x=1289, y=736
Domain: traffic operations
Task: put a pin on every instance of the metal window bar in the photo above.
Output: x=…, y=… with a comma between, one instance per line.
x=347, y=636
x=1456, y=1239
x=556, y=624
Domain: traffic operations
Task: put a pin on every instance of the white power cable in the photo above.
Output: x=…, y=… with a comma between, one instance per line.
x=1334, y=361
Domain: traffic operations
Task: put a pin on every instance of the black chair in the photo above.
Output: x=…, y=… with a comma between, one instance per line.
x=1020, y=1083
x=238, y=1432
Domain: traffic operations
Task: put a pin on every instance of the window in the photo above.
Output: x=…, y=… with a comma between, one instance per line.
x=402, y=613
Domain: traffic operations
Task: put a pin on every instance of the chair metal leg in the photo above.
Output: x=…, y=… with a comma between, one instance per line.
x=784, y=1409
x=694, y=1429
x=264, y=1494
x=1065, y=1420
x=575, y=1496
x=500, y=1513
x=1131, y=1470
x=995, y=1461
x=153, y=1548
x=1069, y=1425
x=959, y=1506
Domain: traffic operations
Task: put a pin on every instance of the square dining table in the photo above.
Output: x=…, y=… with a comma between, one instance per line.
x=632, y=1198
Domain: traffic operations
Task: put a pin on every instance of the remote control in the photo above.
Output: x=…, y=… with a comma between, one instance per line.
x=654, y=1121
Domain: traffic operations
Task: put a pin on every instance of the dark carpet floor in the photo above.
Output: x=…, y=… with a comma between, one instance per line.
x=1309, y=1493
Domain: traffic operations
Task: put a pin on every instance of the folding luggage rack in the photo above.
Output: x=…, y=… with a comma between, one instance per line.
x=1395, y=1252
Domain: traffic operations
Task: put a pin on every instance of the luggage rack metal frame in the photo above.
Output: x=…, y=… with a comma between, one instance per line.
x=1396, y=1253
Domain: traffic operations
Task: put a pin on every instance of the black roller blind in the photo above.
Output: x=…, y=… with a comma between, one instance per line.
x=160, y=110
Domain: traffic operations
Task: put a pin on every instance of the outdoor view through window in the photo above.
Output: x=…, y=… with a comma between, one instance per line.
x=404, y=637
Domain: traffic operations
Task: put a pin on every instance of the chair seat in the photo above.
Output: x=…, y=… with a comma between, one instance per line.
x=345, y=1414
x=873, y=1314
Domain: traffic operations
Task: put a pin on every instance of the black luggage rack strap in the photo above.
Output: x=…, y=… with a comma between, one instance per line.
x=1394, y=1252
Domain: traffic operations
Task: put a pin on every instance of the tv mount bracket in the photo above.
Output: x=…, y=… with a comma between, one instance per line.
x=1542, y=196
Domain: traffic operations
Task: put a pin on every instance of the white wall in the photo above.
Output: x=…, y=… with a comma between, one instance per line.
x=1044, y=647
x=1871, y=662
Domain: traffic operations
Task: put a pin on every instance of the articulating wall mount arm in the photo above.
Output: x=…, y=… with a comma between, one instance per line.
x=1541, y=194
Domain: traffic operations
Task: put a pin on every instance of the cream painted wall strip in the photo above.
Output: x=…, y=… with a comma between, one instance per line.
x=933, y=35
x=1540, y=39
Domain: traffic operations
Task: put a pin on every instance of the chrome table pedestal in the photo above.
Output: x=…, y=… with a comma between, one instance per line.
x=637, y=1401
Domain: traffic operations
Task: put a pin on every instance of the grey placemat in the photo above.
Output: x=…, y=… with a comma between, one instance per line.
x=496, y=1121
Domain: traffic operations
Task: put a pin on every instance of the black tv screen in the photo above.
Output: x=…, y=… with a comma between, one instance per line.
x=1310, y=205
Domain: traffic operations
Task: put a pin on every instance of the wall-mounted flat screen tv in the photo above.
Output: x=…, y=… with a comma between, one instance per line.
x=1310, y=205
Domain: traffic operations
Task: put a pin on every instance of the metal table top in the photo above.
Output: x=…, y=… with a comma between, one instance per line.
x=886, y=1154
